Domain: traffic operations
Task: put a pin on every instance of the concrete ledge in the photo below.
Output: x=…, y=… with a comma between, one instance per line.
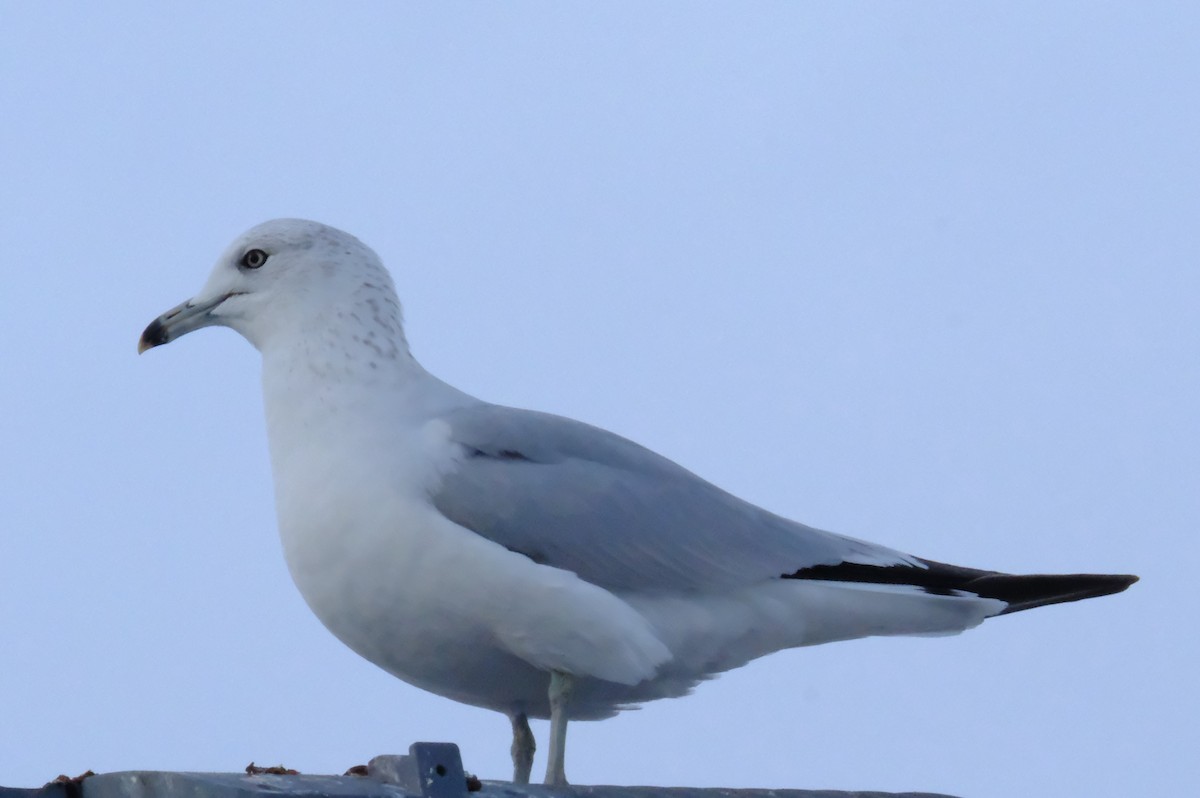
x=160, y=784
x=430, y=770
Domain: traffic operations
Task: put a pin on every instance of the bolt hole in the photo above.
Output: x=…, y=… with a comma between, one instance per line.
x=440, y=770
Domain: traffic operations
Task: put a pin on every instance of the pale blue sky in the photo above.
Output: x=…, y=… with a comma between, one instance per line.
x=920, y=273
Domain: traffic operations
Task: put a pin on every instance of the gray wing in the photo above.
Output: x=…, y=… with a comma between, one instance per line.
x=577, y=497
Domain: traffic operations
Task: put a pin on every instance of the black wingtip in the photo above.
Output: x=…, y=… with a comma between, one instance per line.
x=1017, y=591
x=1040, y=590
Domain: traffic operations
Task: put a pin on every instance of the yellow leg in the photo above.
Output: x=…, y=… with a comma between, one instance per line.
x=560, y=693
x=523, y=746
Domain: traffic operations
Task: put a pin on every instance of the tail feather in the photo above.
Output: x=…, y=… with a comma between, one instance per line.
x=1039, y=590
x=1019, y=592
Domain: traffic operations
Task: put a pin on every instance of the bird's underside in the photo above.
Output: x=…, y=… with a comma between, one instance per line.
x=1017, y=592
x=872, y=583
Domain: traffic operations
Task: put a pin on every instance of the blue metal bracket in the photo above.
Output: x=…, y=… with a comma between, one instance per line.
x=430, y=770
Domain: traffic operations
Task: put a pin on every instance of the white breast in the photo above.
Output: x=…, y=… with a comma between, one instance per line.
x=427, y=600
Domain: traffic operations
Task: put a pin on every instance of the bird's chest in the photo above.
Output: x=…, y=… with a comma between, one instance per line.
x=357, y=529
x=368, y=567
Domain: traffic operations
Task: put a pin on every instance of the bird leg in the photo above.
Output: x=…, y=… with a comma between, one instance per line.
x=523, y=746
x=560, y=692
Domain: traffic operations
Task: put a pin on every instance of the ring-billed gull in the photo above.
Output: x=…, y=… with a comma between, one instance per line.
x=521, y=561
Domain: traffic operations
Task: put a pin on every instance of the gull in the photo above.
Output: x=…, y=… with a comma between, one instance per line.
x=521, y=561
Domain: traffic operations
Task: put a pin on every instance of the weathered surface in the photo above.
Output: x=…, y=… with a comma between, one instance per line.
x=496, y=789
x=431, y=770
x=155, y=784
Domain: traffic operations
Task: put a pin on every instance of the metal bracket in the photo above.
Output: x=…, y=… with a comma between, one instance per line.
x=430, y=770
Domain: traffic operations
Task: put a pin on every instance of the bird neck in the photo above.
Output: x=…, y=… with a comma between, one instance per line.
x=350, y=367
x=341, y=366
x=333, y=397
x=344, y=376
x=355, y=337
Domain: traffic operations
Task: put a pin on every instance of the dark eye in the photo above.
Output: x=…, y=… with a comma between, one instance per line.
x=253, y=259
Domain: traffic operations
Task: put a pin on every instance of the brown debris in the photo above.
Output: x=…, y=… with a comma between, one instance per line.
x=357, y=770
x=64, y=779
x=473, y=783
x=276, y=770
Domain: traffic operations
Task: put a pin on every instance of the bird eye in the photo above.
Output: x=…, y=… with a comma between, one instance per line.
x=253, y=259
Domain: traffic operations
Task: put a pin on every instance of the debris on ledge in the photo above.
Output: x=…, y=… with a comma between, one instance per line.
x=429, y=770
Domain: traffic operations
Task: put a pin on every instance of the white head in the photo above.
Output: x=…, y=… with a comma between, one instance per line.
x=288, y=278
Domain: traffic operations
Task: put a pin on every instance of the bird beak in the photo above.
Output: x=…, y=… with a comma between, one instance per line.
x=181, y=320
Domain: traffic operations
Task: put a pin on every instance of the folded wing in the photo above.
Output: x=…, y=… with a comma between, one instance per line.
x=576, y=497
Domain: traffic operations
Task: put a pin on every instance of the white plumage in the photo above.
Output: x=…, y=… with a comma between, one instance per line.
x=520, y=561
